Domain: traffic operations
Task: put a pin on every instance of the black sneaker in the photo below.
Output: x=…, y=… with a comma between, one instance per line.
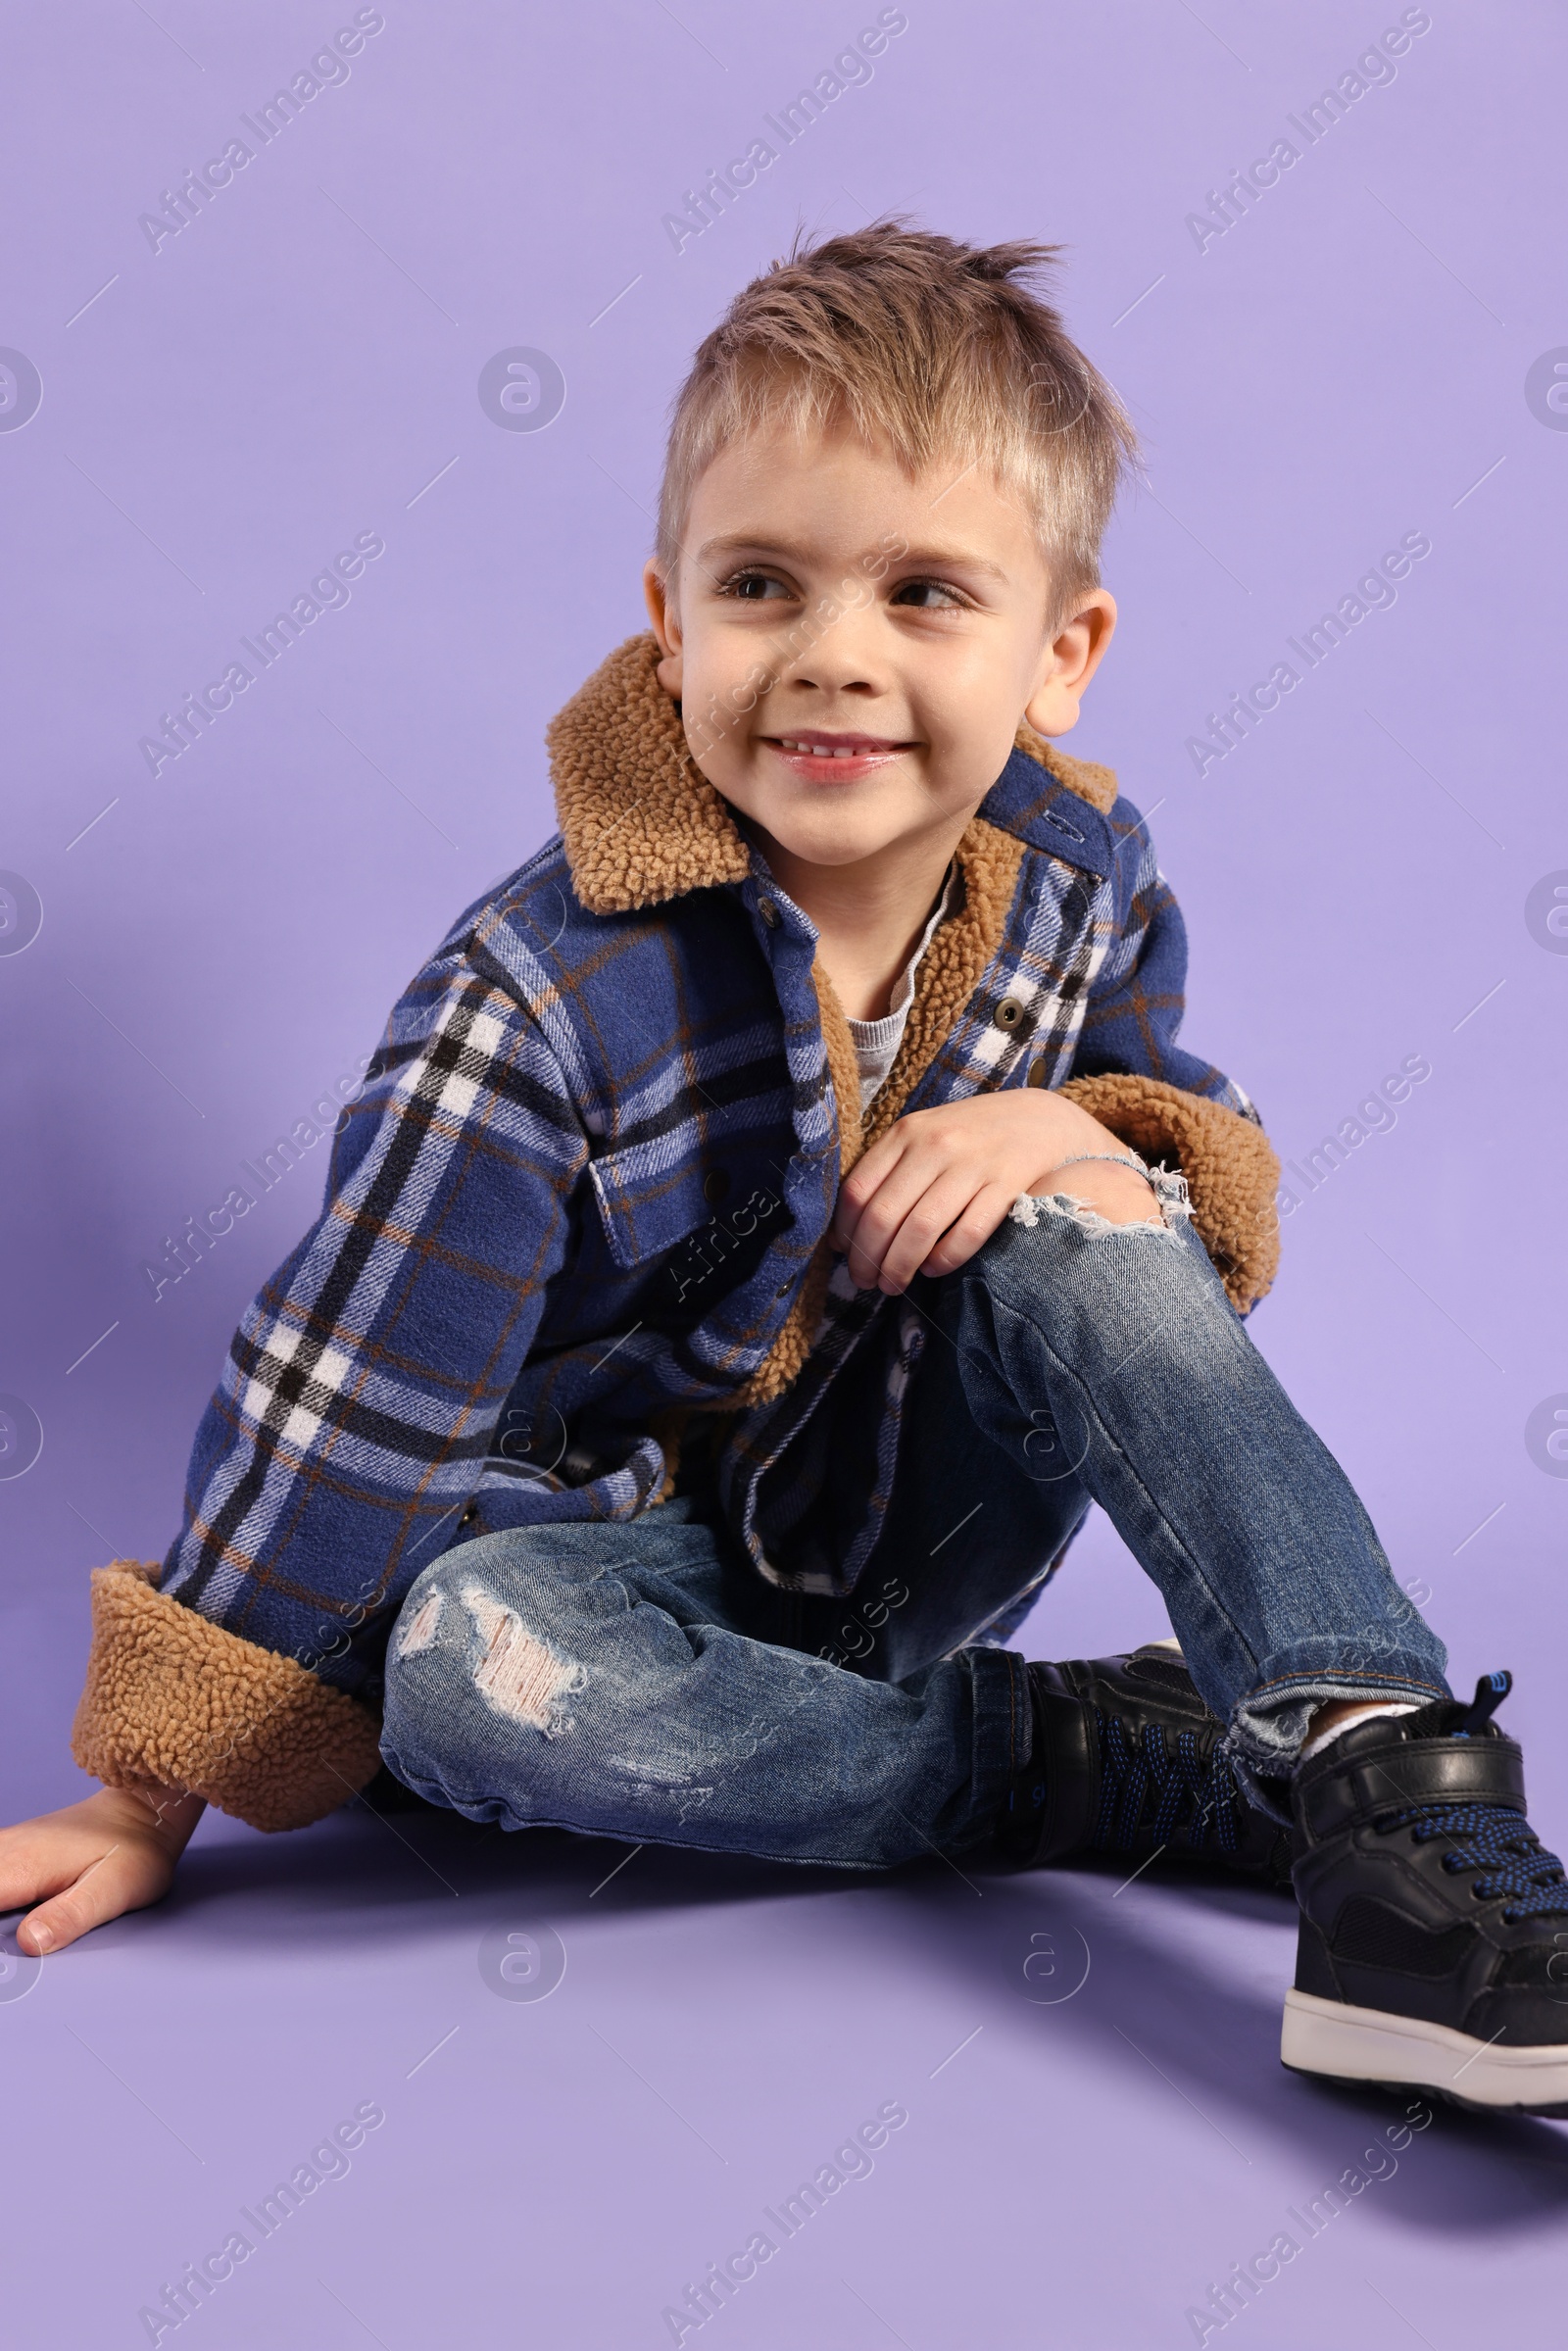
x=1434, y=1946
x=1128, y=1759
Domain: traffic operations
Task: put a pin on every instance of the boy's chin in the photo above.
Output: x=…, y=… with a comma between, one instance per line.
x=831, y=830
x=833, y=839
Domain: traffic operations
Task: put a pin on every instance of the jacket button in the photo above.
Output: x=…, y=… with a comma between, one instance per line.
x=716, y=1184
x=1036, y=1071
x=1008, y=1013
x=768, y=911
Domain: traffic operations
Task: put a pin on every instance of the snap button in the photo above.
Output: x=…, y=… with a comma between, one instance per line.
x=1008, y=1013
x=768, y=911
x=716, y=1184
x=1036, y=1071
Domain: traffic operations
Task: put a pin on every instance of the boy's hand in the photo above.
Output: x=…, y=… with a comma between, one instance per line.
x=114, y=1851
x=940, y=1182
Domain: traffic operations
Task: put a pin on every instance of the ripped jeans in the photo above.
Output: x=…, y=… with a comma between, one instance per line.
x=639, y=1680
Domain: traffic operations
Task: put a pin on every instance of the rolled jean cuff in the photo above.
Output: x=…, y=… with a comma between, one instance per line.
x=1003, y=1733
x=1270, y=1724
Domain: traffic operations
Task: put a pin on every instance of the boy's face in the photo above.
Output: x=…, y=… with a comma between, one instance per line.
x=853, y=648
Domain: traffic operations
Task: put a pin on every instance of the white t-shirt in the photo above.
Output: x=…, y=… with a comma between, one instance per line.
x=877, y=1042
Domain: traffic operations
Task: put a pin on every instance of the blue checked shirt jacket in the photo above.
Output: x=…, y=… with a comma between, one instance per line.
x=578, y=1217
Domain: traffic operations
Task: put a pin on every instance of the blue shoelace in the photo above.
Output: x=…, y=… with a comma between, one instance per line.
x=1186, y=1788
x=1499, y=1841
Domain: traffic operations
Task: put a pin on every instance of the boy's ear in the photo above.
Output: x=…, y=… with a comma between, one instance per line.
x=1069, y=662
x=664, y=614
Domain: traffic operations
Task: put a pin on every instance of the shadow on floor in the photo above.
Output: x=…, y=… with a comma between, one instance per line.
x=1166, y=1991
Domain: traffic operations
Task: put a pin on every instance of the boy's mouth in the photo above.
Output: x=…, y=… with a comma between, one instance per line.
x=826, y=756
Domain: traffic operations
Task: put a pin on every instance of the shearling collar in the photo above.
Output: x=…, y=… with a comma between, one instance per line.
x=639, y=820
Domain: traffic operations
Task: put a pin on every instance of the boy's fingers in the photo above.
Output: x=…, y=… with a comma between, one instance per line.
x=847, y=1234
x=29, y=1870
x=886, y=1213
x=972, y=1230
x=847, y=1214
x=861, y=1186
x=863, y=1250
x=121, y=1879
x=929, y=1218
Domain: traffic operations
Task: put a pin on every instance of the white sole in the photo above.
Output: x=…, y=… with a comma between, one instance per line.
x=1368, y=2045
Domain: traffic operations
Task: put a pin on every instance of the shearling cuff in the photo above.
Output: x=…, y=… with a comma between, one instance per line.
x=172, y=1700
x=1230, y=1166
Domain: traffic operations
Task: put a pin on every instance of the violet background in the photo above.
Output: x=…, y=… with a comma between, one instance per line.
x=1345, y=365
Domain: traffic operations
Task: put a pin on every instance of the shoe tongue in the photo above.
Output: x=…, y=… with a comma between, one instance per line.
x=1441, y=1719
x=1162, y=1668
x=1446, y=1718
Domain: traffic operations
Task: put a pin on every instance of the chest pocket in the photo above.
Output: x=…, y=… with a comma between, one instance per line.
x=647, y=1211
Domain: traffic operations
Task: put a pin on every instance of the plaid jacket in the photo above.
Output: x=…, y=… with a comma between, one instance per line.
x=583, y=1197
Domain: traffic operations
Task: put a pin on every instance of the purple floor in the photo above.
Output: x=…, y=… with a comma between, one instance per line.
x=1082, y=2120
x=1098, y=2124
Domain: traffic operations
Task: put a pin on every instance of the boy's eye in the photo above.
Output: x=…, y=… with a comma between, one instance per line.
x=753, y=587
x=928, y=595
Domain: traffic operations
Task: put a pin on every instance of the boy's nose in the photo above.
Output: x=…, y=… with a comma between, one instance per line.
x=842, y=653
x=844, y=667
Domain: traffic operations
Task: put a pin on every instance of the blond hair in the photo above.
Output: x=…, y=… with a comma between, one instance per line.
x=939, y=351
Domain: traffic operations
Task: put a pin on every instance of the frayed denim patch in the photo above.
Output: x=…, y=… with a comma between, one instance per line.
x=1171, y=1198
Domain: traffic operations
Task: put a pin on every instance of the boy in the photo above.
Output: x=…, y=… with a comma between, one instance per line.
x=762, y=1237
